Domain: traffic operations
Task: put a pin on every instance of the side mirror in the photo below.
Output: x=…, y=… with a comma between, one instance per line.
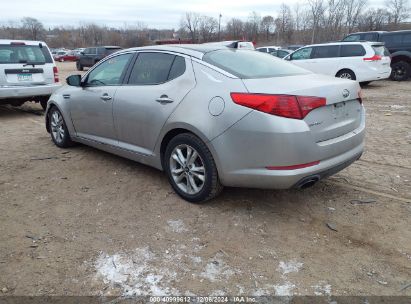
x=74, y=80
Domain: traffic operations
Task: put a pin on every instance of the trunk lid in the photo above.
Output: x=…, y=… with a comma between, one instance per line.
x=341, y=114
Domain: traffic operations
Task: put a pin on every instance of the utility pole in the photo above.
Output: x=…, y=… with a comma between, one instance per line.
x=219, y=26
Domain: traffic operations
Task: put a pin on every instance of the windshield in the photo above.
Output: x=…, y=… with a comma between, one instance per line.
x=252, y=64
x=24, y=54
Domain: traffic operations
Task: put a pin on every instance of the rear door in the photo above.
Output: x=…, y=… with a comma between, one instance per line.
x=156, y=85
x=325, y=59
x=25, y=65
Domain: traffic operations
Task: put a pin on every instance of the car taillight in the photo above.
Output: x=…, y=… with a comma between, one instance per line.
x=373, y=58
x=56, y=74
x=289, y=106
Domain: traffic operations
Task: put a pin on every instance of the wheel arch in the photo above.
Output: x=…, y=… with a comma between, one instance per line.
x=175, y=130
x=401, y=56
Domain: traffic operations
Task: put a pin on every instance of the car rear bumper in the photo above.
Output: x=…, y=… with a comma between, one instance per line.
x=245, y=153
x=18, y=92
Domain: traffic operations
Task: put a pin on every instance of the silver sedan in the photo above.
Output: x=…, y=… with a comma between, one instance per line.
x=212, y=116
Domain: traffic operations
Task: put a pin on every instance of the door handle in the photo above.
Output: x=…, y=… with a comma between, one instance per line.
x=105, y=97
x=164, y=99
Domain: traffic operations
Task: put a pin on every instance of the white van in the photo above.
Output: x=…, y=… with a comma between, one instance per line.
x=27, y=72
x=360, y=61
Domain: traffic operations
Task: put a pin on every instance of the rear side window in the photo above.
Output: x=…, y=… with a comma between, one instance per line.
x=329, y=51
x=155, y=68
x=352, y=38
x=247, y=64
x=109, y=51
x=370, y=37
x=263, y=50
x=178, y=68
x=24, y=54
x=352, y=50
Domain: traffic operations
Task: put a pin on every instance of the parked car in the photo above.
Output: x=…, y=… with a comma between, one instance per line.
x=398, y=44
x=281, y=53
x=27, y=72
x=267, y=49
x=62, y=56
x=92, y=55
x=294, y=47
x=236, y=44
x=212, y=116
x=360, y=61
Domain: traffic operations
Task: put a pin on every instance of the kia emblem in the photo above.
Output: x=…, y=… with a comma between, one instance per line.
x=345, y=93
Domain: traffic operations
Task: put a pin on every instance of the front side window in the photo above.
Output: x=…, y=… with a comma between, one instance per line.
x=156, y=68
x=352, y=50
x=247, y=64
x=109, y=72
x=90, y=51
x=329, y=51
x=302, y=54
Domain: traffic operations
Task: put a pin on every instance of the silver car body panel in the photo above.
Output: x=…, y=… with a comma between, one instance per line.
x=242, y=141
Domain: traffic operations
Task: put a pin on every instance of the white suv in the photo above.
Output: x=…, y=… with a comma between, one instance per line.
x=361, y=61
x=27, y=72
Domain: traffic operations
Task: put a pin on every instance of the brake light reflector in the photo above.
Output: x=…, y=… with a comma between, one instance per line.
x=56, y=74
x=373, y=58
x=289, y=106
x=293, y=167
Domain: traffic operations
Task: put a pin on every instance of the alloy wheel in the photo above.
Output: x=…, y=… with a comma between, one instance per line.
x=187, y=169
x=57, y=127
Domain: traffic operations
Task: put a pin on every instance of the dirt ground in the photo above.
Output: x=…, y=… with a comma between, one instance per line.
x=84, y=222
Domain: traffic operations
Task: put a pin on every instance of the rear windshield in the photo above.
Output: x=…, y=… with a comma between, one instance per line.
x=24, y=54
x=251, y=64
x=380, y=50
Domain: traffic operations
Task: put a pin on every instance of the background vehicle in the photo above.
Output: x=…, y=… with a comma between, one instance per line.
x=189, y=110
x=361, y=61
x=281, y=53
x=236, y=44
x=90, y=56
x=398, y=44
x=294, y=47
x=27, y=72
x=62, y=56
x=267, y=49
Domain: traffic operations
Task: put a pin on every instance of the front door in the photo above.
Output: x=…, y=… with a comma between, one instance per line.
x=91, y=105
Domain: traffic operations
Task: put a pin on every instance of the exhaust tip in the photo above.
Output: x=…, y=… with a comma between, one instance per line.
x=308, y=182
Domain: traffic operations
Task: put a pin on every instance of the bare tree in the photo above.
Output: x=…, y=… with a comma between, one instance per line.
x=317, y=9
x=208, y=27
x=267, y=26
x=33, y=28
x=191, y=23
x=354, y=9
x=398, y=9
x=235, y=28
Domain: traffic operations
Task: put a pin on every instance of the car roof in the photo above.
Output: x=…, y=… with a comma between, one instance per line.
x=192, y=50
x=27, y=42
x=344, y=43
x=356, y=33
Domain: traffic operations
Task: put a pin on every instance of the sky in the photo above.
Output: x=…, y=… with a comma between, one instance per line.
x=159, y=14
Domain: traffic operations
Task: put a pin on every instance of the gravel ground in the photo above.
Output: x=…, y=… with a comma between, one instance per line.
x=83, y=222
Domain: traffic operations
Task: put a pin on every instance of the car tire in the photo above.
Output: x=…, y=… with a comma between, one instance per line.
x=346, y=74
x=79, y=66
x=401, y=71
x=194, y=175
x=58, y=129
x=43, y=104
x=365, y=83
